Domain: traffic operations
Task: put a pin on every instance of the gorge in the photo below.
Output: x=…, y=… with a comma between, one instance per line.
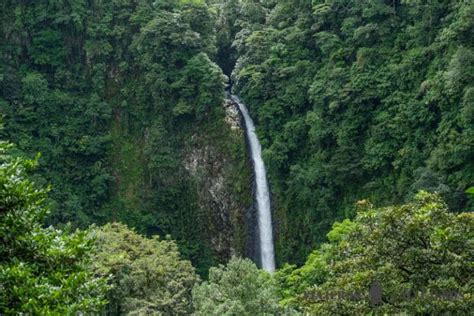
x=132, y=183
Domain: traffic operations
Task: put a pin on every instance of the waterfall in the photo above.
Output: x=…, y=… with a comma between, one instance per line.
x=262, y=195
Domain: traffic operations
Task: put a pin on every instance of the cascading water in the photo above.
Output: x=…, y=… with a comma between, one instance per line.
x=262, y=195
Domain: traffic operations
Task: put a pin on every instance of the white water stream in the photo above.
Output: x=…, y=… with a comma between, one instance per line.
x=262, y=195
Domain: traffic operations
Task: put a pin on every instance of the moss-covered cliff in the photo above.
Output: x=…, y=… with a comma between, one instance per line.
x=126, y=105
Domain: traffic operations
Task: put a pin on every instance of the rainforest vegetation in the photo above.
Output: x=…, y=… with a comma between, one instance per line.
x=125, y=180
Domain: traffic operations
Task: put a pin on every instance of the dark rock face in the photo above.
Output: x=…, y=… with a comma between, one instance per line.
x=224, y=188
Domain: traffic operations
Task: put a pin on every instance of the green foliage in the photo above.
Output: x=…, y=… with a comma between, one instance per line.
x=147, y=275
x=110, y=92
x=356, y=99
x=419, y=253
x=42, y=270
x=293, y=282
x=200, y=87
x=351, y=99
x=239, y=288
x=470, y=190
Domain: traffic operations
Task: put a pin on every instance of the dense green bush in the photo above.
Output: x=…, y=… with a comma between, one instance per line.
x=419, y=255
x=43, y=271
x=238, y=288
x=147, y=275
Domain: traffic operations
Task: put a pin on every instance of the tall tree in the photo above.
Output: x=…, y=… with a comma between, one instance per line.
x=236, y=288
x=415, y=258
x=147, y=275
x=42, y=270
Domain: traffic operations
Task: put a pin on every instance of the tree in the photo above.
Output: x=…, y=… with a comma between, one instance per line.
x=42, y=270
x=239, y=288
x=419, y=255
x=294, y=282
x=148, y=275
x=200, y=87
